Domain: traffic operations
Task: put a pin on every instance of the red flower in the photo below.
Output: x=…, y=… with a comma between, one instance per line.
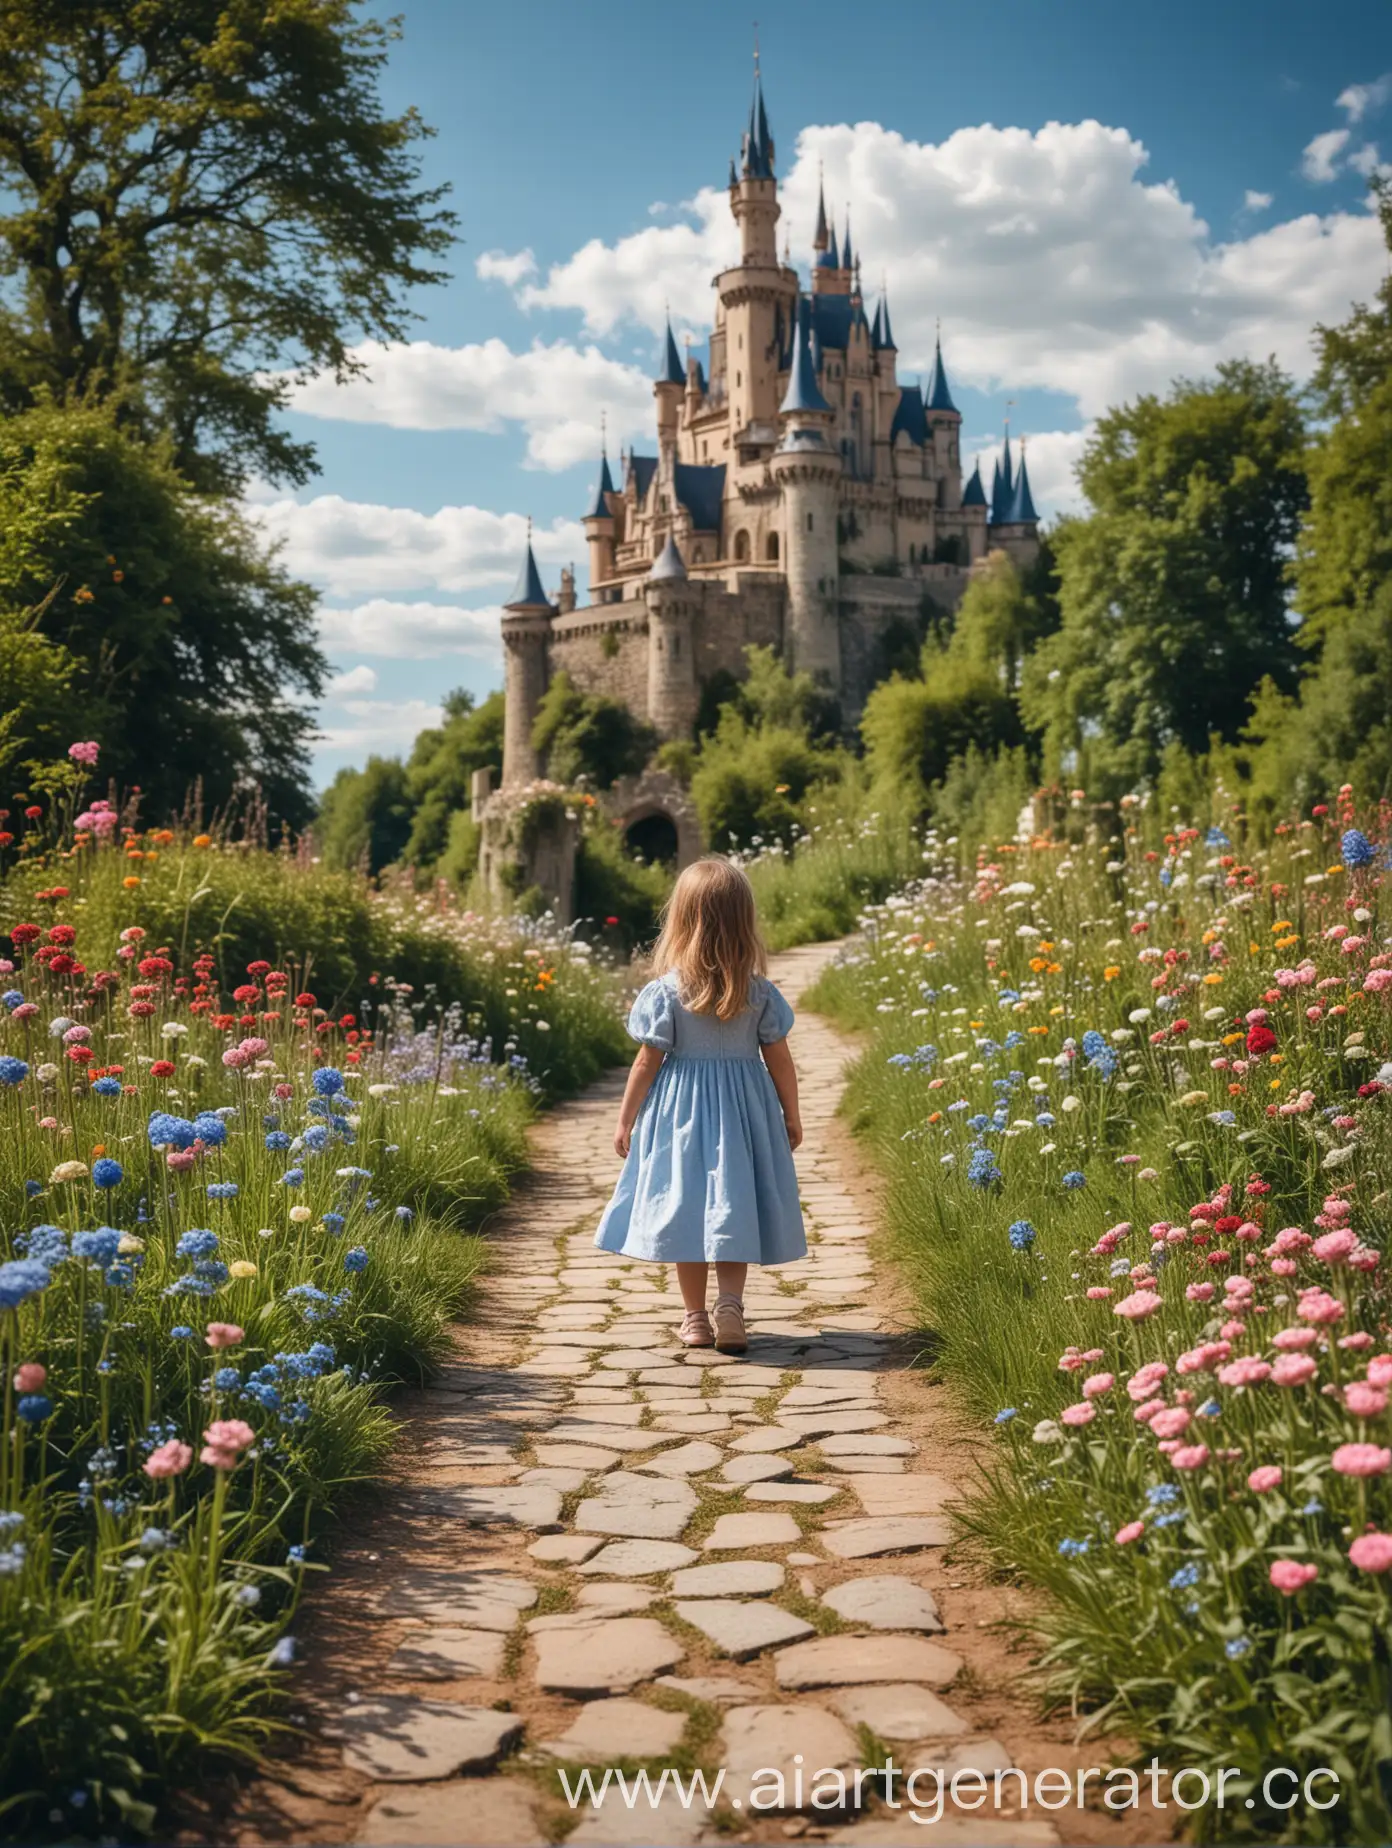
x=62, y=933
x=61, y=964
x=24, y=933
x=611, y=922
x=248, y=991
x=81, y=1055
x=33, y=814
x=305, y=1001
x=258, y=968
x=162, y=1068
x=1259, y=1040
x=141, y=1010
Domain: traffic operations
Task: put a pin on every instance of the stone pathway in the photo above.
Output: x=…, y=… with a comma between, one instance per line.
x=603, y=1549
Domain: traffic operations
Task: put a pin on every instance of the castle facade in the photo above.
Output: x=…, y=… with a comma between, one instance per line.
x=799, y=497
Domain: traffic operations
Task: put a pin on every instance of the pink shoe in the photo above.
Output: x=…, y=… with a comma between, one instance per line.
x=696, y=1329
x=730, y=1336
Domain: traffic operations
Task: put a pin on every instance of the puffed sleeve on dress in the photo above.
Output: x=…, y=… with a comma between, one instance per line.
x=651, y=1020
x=776, y=1018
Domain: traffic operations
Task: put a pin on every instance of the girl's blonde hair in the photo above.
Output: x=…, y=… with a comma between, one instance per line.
x=710, y=938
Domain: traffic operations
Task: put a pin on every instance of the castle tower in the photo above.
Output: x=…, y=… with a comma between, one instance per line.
x=752, y=294
x=526, y=635
x=826, y=255
x=807, y=469
x=671, y=600
x=945, y=430
x=600, y=528
x=1014, y=525
x=886, y=389
x=669, y=389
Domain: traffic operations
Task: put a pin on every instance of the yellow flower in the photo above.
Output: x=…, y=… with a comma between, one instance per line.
x=1212, y=981
x=1287, y=943
x=241, y=1267
x=1254, y=949
x=1233, y=1039
x=780, y=789
x=1281, y=924
x=1056, y=1010
x=1336, y=868
x=1111, y=972
x=976, y=1025
x=1039, y=1029
x=1275, y=1085
x=131, y=881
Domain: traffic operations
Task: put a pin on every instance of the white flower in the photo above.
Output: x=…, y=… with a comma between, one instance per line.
x=1338, y=1158
x=1215, y=1013
x=59, y=1025
x=1123, y=1036
x=173, y=1029
x=1048, y=1148
x=1047, y=1432
x=1026, y=930
x=380, y=1090
x=46, y=1074
x=543, y=1026
x=1071, y=1102
x=1137, y=1015
x=299, y=1215
x=1021, y=889
x=195, y=1058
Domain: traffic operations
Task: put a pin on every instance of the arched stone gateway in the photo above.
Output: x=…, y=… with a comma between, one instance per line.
x=657, y=818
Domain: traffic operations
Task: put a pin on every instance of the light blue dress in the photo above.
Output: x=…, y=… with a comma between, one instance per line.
x=709, y=1173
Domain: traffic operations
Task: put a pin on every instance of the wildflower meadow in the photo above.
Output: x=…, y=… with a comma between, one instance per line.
x=236, y=1208
x=1129, y=1084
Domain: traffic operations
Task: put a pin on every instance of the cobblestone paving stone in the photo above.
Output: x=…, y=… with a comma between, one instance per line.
x=575, y=1467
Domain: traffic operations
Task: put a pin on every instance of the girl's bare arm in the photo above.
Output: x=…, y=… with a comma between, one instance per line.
x=640, y=1081
x=783, y=1072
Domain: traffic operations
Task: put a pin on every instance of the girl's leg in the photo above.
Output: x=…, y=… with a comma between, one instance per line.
x=691, y=1281
x=729, y=1280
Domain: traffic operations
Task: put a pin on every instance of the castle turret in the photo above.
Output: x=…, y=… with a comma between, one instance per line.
x=526, y=635
x=1014, y=522
x=669, y=388
x=600, y=529
x=752, y=293
x=807, y=469
x=672, y=601
x=945, y=429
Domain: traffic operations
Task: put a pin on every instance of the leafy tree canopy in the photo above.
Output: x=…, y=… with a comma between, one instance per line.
x=186, y=646
x=201, y=197
x=1173, y=591
x=440, y=773
x=589, y=735
x=365, y=816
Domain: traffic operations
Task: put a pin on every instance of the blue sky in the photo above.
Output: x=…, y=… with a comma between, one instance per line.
x=1093, y=198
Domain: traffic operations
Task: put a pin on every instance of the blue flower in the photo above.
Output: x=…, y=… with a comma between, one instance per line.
x=1313, y=1506
x=248, y=1596
x=1355, y=849
x=1216, y=838
x=292, y=1177
x=12, y=998
x=1074, y=1179
x=46, y=1243
x=100, y=1246
x=316, y=1137
x=107, y=1087
x=222, y=1190
x=176, y=1132
x=328, y=1082
x=210, y=1129
x=283, y=1654
x=12, y=1070
x=334, y=1222
x=1184, y=1578
x=181, y=1333
x=226, y=1378
x=107, y=1173
x=1237, y=1648
x=355, y=1259
x=155, y=1540
x=33, y=1408
x=277, y=1139
x=405, y=1213
x=1005, y=1415
x=1175, y=1518
x=978, y=1122
x=1045, y=1119
x=1163, y=1495
x=982, y=1170
x=198, y=1243
x=32, y=1189
x=295, y=1555
x=21, y=1278
x=1070, y=1549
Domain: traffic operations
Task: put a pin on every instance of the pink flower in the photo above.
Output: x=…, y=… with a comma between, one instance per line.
x=1362, y=1460
x=1191, y=1456
x=1249, y=1371
x=1231, y=1330
x=1145, y=1379
x=1365, y=1401
x=229, y=1434
x=225, y=1335
x=170, y=1459
x=1289, y=1239
x=255, y=1048
x=30, y=1377
x=1334, y=1247
x=1356, y=1344
x=1198, y=1292
x=1097, y=1383
x=1289, y=1576
x=1265, y=1478
x=1071, y=1362
x=1290, y=1340
x=1320, y=1307
x=1380, y=1370
x=1372, y=1552
x=1098, y=1293
x=179, y=1161
x=234, y=1058
x=1284, y=1267
x=1078, y=1414
x=1293, y=1370
x=1144, y=1413
x=1174, y=1421
x=1138, y=1305
x=218, y=1459
x=1132, y=1531
x=84, y=753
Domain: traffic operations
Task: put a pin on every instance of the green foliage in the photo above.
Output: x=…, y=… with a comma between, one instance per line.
x=915, y=729
x=440, y=770
x=611, y=883
x=364, y=817
x=37, y=674
x=589, y=736
x=203, y=200
x=1173, y=589
x=981, y=795
x=846, y=854
x=182, y=646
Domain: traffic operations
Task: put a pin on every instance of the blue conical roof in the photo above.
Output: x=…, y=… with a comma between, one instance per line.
x=528, y=592
x=1022, y=501
x=758, y=142
x=599, y=507
x=803, y=393
x=876, y=327
x=821, y=236
x=974, y=494
x=939, y=398
x=995, y=500
x=1003, y=490
x=673, y=371
x=847, y=260
x=886, y=332
x=830, y=258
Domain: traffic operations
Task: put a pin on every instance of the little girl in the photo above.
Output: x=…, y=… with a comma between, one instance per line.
x=713, y=1098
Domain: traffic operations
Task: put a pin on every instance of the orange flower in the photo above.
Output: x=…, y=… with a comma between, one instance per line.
x=202, y=840
x=131, y=881
x=1111, y=972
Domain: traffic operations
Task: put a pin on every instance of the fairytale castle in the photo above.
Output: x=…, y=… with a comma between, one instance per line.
x=800, y=497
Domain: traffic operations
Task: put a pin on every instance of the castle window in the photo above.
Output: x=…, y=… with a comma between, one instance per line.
x=809, y=522
x=771, y=548
x=742, y=547
x=737, y=380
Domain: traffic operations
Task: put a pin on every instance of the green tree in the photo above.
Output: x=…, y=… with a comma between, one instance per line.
x=203, y=199
x=365, y=816
x=188, y=646
x=914, y=730
x=589, y=735
x=439, y=780
x=1173, y=590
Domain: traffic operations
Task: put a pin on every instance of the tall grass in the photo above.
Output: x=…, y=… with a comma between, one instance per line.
x=1132, y=1103
x=230, y=1217
x=848, y=856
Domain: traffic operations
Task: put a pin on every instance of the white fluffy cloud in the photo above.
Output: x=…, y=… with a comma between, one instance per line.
x=556, y=393
x=499, y=266
x=406, y=632
x=1051, y=260
x=1320, y=160
x=359, y=679
x=357, y=548
x=376, y=725
x=1256, y=201
x=1361, y=99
